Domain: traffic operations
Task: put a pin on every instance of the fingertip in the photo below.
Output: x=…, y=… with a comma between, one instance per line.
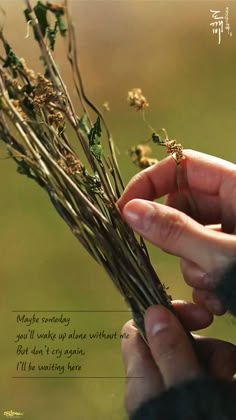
x=209, y=301
x=170, y=346
x=134, y=189
x=193, y=316
x=156, y=318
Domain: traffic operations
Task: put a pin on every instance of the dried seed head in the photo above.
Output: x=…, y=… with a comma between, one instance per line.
x=146, y=162
x=55, y=117
x=175, y=150
x=74, y=166
x=136, y=99
x=44, y=92
x=140, y=156
x=139, y=151
x=70, y=164
x=16, y=103
x=62, y=164
x=106, y=106
x=29, y=72
x=178, y=156
x=10, y=81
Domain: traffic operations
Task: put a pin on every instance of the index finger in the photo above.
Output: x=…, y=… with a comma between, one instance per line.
x=203, y=173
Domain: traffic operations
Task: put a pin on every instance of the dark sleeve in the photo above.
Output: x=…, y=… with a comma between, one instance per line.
x=201, y=399
x=226, y=288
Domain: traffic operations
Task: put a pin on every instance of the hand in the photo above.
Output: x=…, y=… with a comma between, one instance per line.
x=184, y=229
x=170, y=358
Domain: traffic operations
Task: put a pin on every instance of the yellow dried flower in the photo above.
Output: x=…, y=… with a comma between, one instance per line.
x=175, y=150
x=137, y=100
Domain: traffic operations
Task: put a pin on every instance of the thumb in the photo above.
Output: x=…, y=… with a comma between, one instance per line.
x=170, y=346
x=178, y=234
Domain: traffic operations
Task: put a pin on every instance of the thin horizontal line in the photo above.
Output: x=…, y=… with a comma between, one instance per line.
x=77, y=377
x=127, y=311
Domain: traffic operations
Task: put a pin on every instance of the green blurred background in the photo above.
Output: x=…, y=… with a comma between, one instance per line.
x=168, y=49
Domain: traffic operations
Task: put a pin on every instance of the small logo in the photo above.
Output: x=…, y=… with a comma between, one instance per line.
x=12, y=414
x=220, y=24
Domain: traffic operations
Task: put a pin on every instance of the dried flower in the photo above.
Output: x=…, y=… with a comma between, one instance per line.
x=16, y=103
x=137, y=100
x=106, y=106
x=74, y=166
x=44, y=92
x=29, y=72
x=140, y=156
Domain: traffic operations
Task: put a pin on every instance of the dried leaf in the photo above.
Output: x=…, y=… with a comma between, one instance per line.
x=51, y=34
x=94, y=140
x=83, y=124
x=41, y=13
x=58, y=10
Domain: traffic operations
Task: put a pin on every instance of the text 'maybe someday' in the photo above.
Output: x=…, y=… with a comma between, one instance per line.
x=31, y=320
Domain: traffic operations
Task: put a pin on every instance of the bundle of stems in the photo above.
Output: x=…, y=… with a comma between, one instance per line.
x=37, y=121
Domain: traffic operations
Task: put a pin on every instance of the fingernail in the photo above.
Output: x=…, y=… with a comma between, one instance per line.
x=157, y=328
x=156, y=320
x=139, y=214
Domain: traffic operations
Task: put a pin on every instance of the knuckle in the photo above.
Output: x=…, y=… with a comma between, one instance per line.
x=172, y=227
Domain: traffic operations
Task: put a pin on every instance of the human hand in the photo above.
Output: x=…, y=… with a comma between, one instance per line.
x=204, y=239
x=170, y=358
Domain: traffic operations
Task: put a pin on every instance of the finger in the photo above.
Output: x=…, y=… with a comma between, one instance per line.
x=178, y=234
x=203, y=173
x=208, y=300
x=193, y=317
x=219, y=356
x=195, y=276
x=203, y=284
x=170, y=346
x=150, y=184
x=208, y=206
x=143, y=379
